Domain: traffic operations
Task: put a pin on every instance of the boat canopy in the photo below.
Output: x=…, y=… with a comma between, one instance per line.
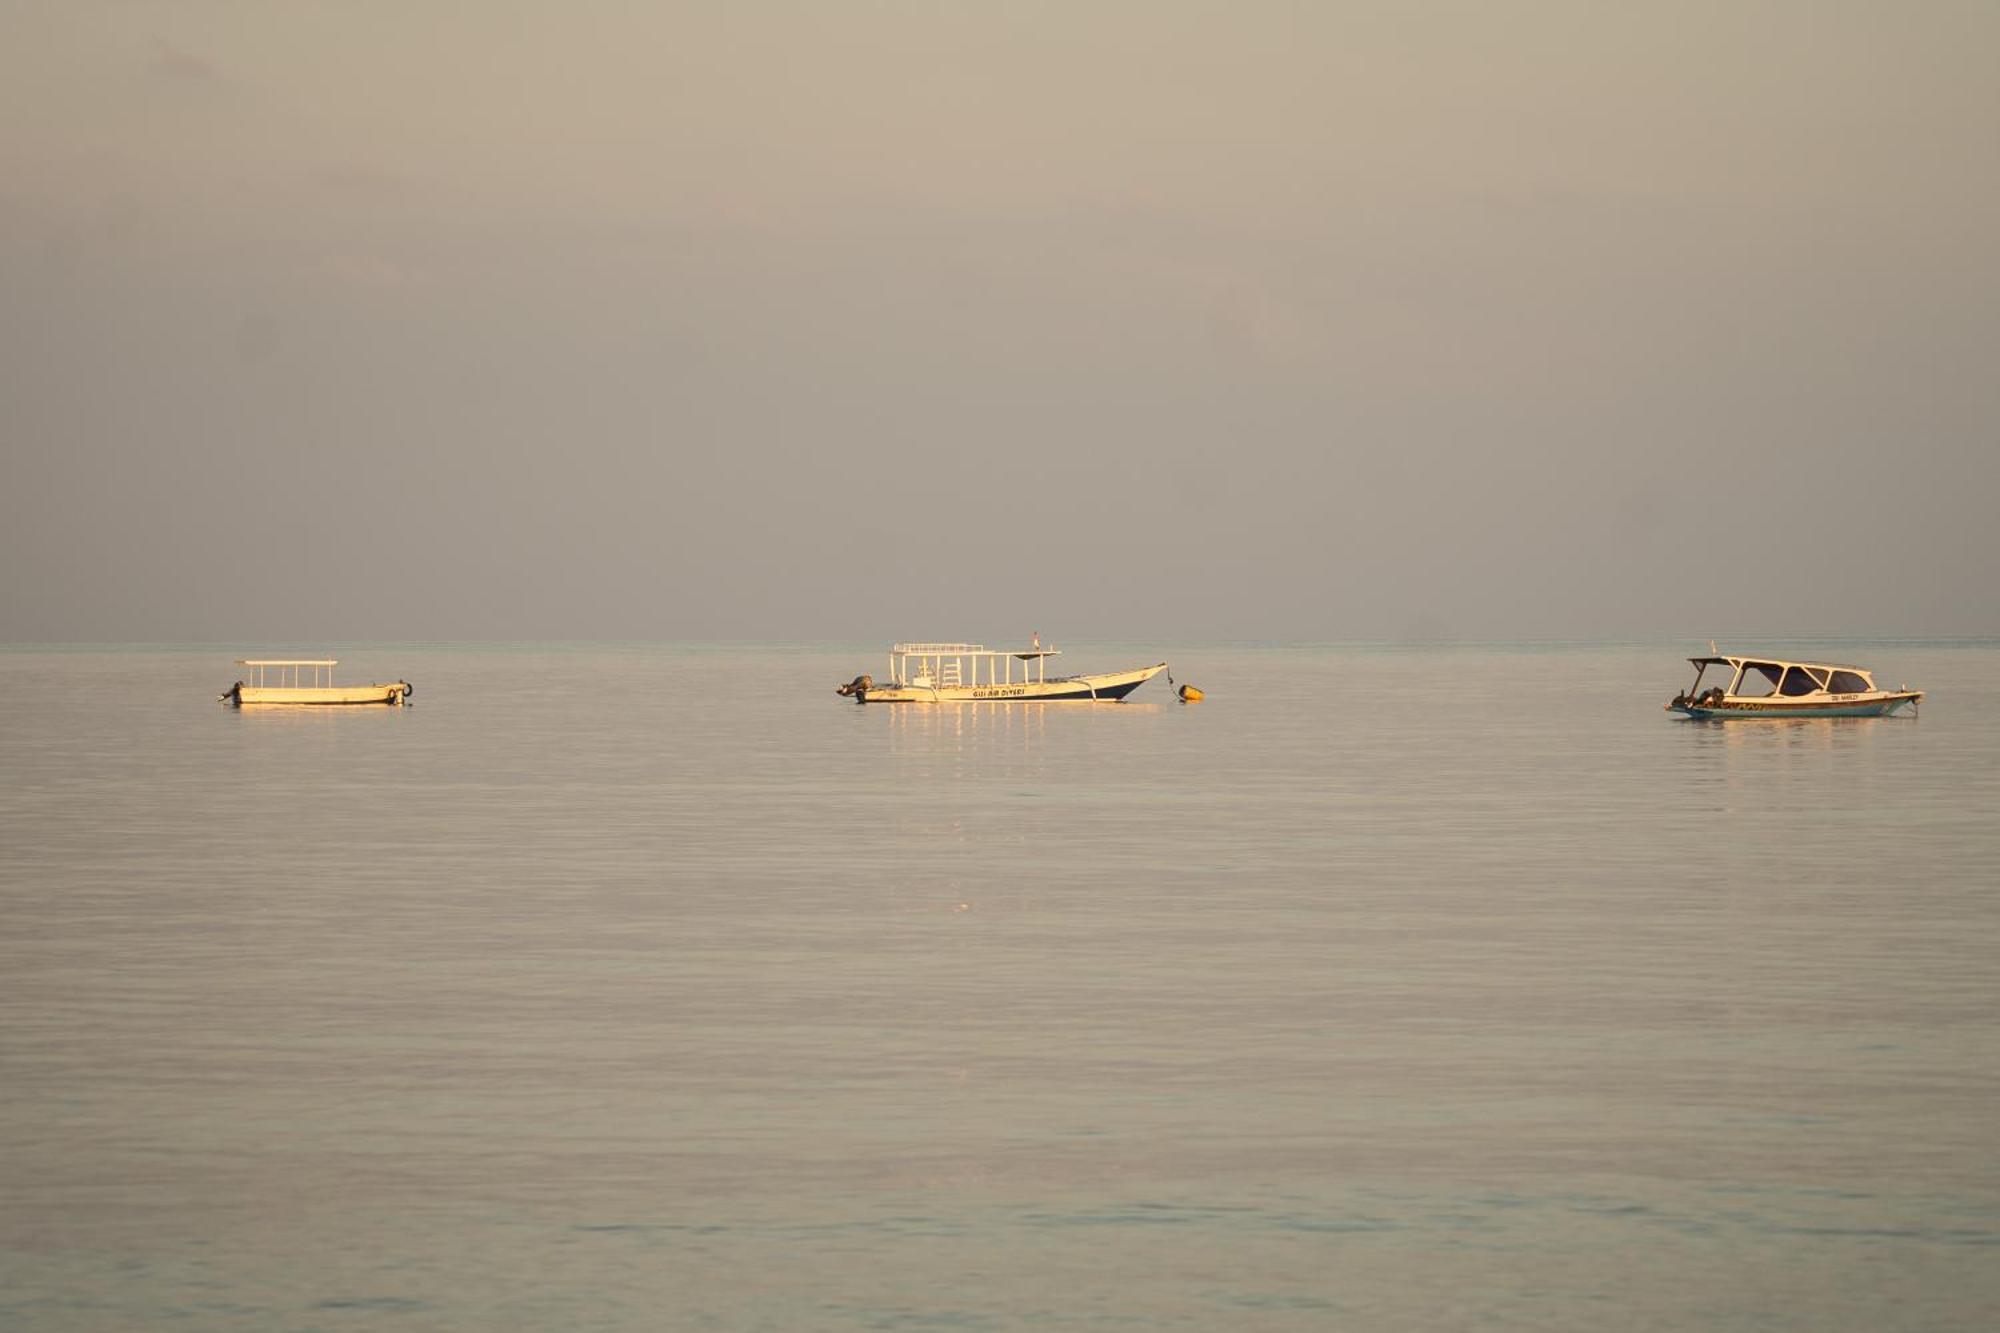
x=1780, y=662
x=261, y=667
x=1787, y=677
x=929, y=664
x=970, y=650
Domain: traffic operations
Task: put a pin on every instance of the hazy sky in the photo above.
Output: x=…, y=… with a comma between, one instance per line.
x=355, y=321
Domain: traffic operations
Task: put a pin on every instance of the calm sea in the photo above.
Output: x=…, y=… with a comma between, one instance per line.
x=659, y=988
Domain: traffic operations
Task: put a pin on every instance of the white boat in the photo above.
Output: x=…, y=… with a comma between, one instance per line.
x=1775, y=687
x=930, y=673
x=306, y=681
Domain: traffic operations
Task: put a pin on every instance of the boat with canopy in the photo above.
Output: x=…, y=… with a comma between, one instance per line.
x=1776, y=687
x=306, y=681
x=974, y=673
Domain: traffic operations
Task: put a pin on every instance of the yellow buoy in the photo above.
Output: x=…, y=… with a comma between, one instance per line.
x=1190, y=695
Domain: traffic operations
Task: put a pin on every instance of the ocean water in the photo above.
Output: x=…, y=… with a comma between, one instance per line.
x=659, y=988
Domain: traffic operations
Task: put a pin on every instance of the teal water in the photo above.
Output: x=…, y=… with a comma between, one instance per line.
x=635, y=988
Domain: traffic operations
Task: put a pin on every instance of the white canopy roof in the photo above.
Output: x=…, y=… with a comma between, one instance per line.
x=969, y=650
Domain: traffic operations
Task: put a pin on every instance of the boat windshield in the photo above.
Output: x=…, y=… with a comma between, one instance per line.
x=1849, y=682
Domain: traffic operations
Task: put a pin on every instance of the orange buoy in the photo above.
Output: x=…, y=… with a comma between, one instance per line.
x=1190, y=695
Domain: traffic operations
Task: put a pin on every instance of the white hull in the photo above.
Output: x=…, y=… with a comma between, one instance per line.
x=1108, y=687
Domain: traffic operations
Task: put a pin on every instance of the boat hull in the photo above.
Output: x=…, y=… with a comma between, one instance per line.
x=392, y=693
x=1737, y=709
x=1109, y=687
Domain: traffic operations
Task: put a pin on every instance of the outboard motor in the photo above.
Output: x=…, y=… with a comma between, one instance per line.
x=234, y=696
x=856, y=686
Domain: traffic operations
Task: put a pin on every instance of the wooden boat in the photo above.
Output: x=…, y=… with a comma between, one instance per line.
x=1774, y=687
x=930, y=673
x=307, y=681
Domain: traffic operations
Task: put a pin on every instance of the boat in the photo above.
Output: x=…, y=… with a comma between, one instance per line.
x=1775, y=687
x=307, y=681
x=934, y=673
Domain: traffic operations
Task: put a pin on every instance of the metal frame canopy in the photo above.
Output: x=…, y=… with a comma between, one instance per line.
x=964, y=659
x=1779, y=671
x=258, y=665
x=1720, y=660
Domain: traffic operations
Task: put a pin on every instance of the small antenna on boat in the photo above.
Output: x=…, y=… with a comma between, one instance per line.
x=1713, y=651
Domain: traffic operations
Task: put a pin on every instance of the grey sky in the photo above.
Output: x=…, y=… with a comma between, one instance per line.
x=353, y=321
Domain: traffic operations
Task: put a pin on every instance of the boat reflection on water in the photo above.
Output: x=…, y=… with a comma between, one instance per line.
x=969, y=722
x=998, y=721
